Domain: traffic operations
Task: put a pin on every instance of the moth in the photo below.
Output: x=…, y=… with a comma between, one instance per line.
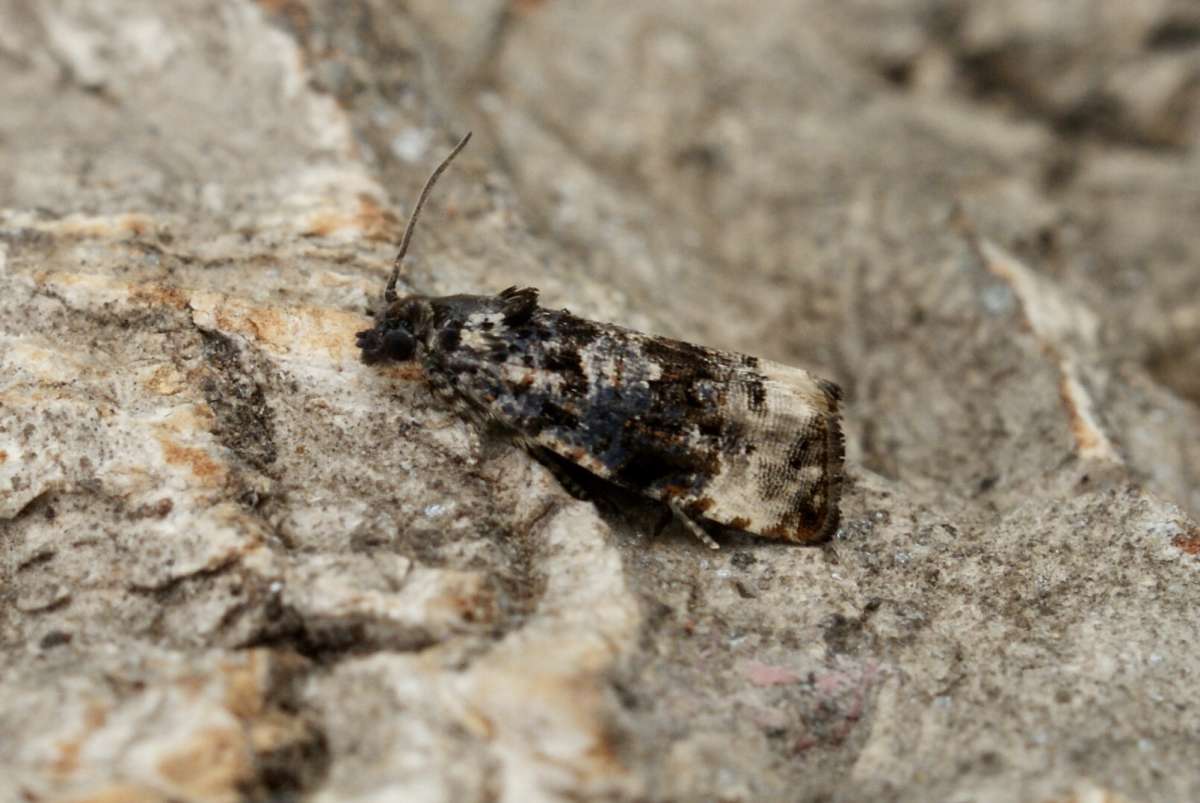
x=746, y=443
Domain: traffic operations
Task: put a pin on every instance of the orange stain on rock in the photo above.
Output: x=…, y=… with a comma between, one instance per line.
x=214, y=762
x=159, y=294
x=370, y=219
x=201, y=464
x=324, y=224
x=330, y=331
x=129, y=225
x=243, y=686
x=1086, y=438
x=1189, y=542
x=67, y=761
x=295, y=330
x=119, y=793
x=166, y=381
x=376, y=222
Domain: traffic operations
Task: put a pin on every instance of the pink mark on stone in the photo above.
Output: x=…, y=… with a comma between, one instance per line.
x=761, y=674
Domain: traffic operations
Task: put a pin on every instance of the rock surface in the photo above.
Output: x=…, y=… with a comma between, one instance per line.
x=237, y=564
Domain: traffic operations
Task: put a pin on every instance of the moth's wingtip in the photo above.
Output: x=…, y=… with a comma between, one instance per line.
x=835, y=471
x=832, y=392
x=833, y=520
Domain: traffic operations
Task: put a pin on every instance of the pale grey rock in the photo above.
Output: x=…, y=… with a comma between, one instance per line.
x=236, y=564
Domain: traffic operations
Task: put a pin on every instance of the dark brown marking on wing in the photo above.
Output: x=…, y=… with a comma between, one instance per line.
x=806, y=450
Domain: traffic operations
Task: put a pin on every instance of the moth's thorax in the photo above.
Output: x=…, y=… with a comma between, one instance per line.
x=459, y=316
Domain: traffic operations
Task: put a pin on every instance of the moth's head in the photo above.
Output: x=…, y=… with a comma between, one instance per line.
x=400, y=333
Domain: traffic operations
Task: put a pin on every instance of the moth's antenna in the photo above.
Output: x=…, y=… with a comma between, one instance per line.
x=389, y=293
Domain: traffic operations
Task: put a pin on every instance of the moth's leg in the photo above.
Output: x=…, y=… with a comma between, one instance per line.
x=441, y=389
x=697, y=531
x=668, y=516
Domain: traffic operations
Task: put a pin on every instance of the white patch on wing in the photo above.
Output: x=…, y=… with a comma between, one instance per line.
x=792, y=403
x=475, y=335
x=518, y=375
x=608, y=365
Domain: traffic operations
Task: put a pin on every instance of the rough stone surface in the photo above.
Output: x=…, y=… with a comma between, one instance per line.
x=236, y=564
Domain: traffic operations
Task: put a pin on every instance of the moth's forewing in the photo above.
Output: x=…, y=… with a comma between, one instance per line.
x=787, y=482
x=744, y=442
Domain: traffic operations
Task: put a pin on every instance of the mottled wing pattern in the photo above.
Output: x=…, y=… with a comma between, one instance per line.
x=747, y=443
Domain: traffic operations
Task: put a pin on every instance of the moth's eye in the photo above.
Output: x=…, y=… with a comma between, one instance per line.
x=398, y=344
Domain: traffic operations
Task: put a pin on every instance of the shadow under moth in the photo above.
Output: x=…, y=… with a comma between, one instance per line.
x=749, y=444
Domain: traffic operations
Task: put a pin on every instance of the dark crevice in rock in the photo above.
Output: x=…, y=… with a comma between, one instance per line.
x=356, y=51
x=1001, y=74
x=327, y=643
x=39, y=502
x=300, y=762
x=1178, y=367
x=245, y=422
x=1175, y=33
x=1012, y=73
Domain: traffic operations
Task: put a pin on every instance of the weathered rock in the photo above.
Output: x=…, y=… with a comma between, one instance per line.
x=235, y=563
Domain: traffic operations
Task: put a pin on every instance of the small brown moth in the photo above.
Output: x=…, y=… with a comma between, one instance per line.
x=740, y=441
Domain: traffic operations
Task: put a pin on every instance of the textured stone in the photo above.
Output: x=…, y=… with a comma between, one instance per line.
x=237, y=564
